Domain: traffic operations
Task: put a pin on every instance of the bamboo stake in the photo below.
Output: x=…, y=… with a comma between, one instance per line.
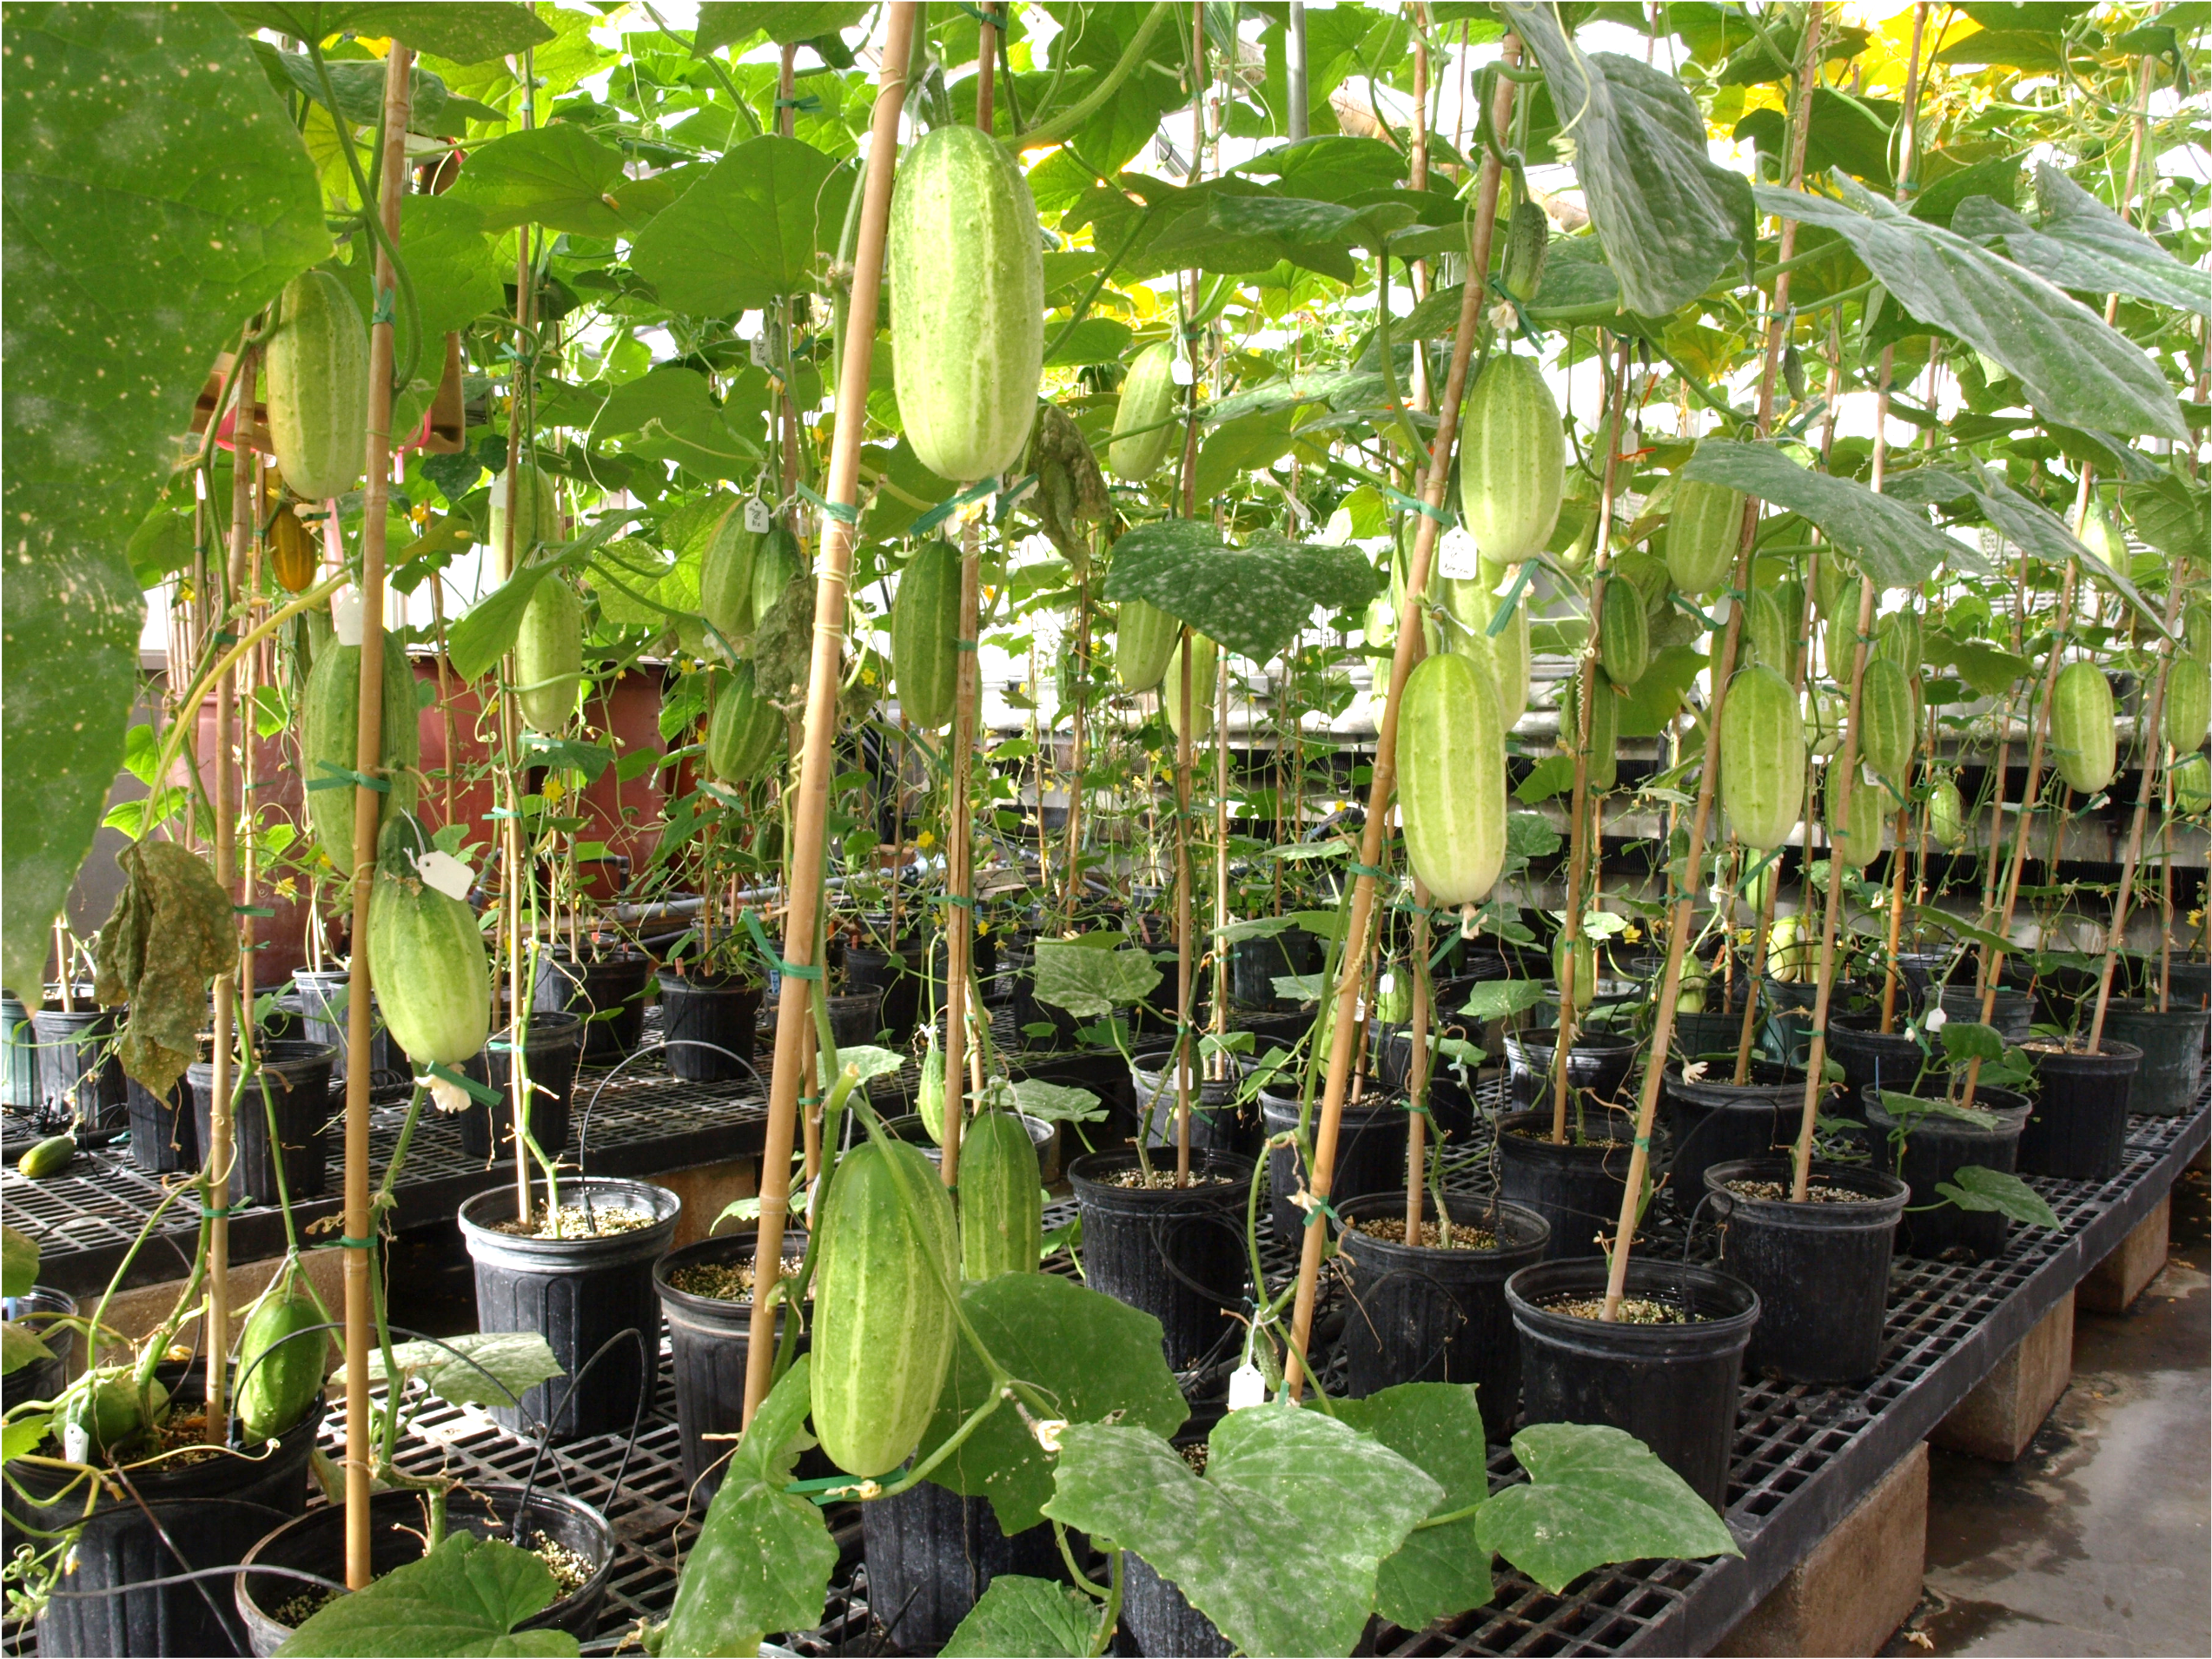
x=1382, y=777
x=1417, y=1084
x=368, y=750
x=1681, y=911
x=1183, y=967
x=802, y=913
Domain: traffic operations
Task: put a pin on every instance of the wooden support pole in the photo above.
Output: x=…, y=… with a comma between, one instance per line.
x=802, y=916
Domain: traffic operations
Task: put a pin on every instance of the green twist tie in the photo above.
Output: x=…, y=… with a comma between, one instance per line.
x=768, y=952
x=943, y=510
x=964, y=644
x=208, y=1214
x=483, y=1094
x=844, y=512
x=962, y=900
x=344, y=778
x=1513, y=597
x=1358, y=869
x=348, y=1243
x=1321, y=1207
x=1414, y=504
x=805, y=104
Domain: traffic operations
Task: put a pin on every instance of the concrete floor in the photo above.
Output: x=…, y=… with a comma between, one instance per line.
x=2097, y=1541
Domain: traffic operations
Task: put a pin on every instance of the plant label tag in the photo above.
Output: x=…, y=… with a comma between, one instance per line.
x=1247, y=1387
x=1455, y=555
x=758, y=518
x=75, y=1442
x=444, y=873
x=762, y=357
x=1179, y=370
x=345, y=617
x=1867, y=780
x=1723, y=608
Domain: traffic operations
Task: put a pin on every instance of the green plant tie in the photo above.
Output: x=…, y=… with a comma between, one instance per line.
x=844, y=512
x=992, y=17
x=251, y=910
x=962, y=900
x=482, y=1093
x=1358, y=869
x=964, y=644
x=806, y=104
x=1010, y=497
x=1513, y=600
x=1317, y=1206
x=1521, y=312
x=768, y=952
x=345, y=777
x=207, y=1212
x=1414, y=504
x=943, y=510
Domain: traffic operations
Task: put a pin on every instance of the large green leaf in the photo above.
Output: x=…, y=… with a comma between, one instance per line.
x=20, y=1346
x=1329, y=168
x=749, y=231
x=763, y=1558
x=2074, y=367
x=1438, y=1571
x=466, y=32
x=1974, y=1187
x=1091, y=983
x=1092, y=1357
x=1853, y=134
x=672, y=414
x=19, y=1262
x=1279, y=1544
x=1671, y=220
x=1246, y=444
x=724, y=23
x=1026, y=1618
x=464, y=1597
x=1893, y=543
x=1253, y=600
x=557, y=175
x=2079, y=242
x=1594, y=1496
x=156, y=198
x=476, y=1368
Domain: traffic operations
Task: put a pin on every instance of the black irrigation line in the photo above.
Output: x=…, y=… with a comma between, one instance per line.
x=1803, y=1456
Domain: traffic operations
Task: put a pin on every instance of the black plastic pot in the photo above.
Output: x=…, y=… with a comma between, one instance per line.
x=576, y=1293
x=19, y=1081
x=1868, y=1057
x=895, y=976
x=164, y=1134
x=37, y=1309
x=1716, y=1122
x=1451, y=1095
x=710, y=1340
x=1822, y=1271
x=78, y=1069
x=1599, y=1062
x=1177, y=1254
x=855, y=1018
x=1370, y=1156
x=1273, y=1034
x=1105, y=1074
x=1218, y=1123
x=553, y=1047
x=1710, y=1033
x=316, y=1544
x=1672, y=1386
x=320, y=1003
x=1256, y=964
x=930, y=1556
x=721, y=1011
x=2012, y=1013
x=212, y=1512
x=1936, y=1149
x=1421, y=1314
x=298, y=1078
x=1576, y=1187
x=2078, y=1130
x=1162, y=1620
x=608, y=991
x=2172, y=1072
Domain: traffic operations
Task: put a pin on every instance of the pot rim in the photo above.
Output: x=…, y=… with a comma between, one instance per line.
x=1353, y=1241
x=1781, y=1211
x=559, y=1255
x=1724, y=1330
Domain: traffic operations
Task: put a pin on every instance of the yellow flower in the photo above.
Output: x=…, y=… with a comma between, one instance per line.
x=1630, y=934
x=867, y=677
x=926, y=840
x=555, y=789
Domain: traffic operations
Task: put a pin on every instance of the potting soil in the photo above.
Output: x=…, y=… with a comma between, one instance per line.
x=1391, y=1229
x=728, y=1281
x=1161, y=1181
x=1633, y=1310
x=574, y=1221
x=1778, y=1192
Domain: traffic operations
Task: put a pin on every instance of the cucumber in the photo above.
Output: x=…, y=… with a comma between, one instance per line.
x=2192, y=781
x=1512, y=459
x=48, y=1157
x=775, y=562
x=425, y=956
x=1855, y=837
x=1703, y=535
x=1150, y=399
x=1205, y=667
x=925, y=635
x=2189, y=704
x=1503, y=658
x=966, y=266
x=1888, y=719
x=744, y=731
x=884, y=1328
x=549, y=656
x=292, y=557
x=318, y=386
x=1768, y=636
x=1452, y=779
x=2083, y=741
x=536, y=519
x=329, y=710
x=726, y=577
x=1002, y=1198
x=1623, y=635
x=1762, y=758
x=1946, y=814
x=281, y=1370
x=1144, y=637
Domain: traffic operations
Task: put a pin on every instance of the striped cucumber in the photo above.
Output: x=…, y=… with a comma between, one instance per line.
x=1702, y=534
x=1854, y=829
x=1002, y=1198
x=318, y=386
x=549, y=655
x=1150, y=399
x=1512, y=459
x=925, y=635
x=1205, y=669
x=1762, y=758
x=967, y=303
x=1144, y=637
x=330, y=709
x=744, y=731
x=726, y=577
x=1452, y=779
x=1623, y=634
x=425, y=955
x=2084, y=743
x=1888, y=719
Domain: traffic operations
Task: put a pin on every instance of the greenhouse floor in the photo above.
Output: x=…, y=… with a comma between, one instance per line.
x=2096, y=1541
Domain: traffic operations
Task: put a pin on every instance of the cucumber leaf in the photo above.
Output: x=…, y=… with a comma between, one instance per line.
x=2081, y=244
x=466, y=1596
x=1893, y=543
x=1253, y=599
x=1440, y=1572
x=1018, y=1617
x=19, y=1262
x=1974, y=1187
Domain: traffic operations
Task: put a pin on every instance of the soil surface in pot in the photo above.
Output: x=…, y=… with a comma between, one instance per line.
x=1574, y=1136
x=574, y=1221
x=1164, y=1180
x=1778, y=1192
x=1633, y=1310
x=571, y=1572
x=1391, y=1229
x=728, y=1281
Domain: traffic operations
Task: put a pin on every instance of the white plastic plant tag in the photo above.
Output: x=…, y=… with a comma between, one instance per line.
x=498, y=491
x=758, y=518
x=345, y=615
x=1179, y=370
x=1723, y=608
x=762, y=357
x=1455, y=555
x=75, y=1443
x=1867, y=780
x=1247, y=1387
x=446, y=874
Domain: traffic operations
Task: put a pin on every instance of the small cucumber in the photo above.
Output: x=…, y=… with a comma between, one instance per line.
x=49, y=1157
x=281, y=1370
